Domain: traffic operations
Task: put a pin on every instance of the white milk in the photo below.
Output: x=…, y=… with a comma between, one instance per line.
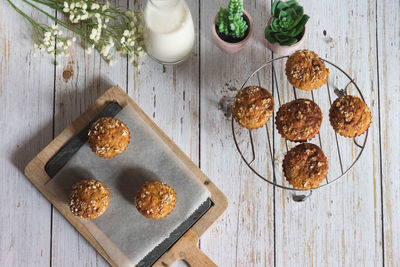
x=169, y=31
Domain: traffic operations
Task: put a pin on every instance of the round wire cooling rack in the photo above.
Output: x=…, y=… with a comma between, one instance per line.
x=263, y=149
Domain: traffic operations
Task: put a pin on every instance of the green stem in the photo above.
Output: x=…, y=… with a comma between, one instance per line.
x=34, y=23
x=51, y=5
x=62, y=23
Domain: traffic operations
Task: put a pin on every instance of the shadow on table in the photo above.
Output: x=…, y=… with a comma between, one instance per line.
x=131, y=179
x=25, y=152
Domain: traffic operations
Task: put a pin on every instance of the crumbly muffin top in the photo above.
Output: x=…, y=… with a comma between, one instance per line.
x=349, y=116
x=252, y=107
x=108, y=137
x=305, y=166
x=89, y=199
x=155, y=200
x=305, y=70
x=299, y=120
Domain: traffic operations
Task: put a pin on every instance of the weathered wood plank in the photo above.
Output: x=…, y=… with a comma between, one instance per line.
x=80, y=79
x=26, y=120
x=329, y=227
x=388, y=39
x=244, y=234
x=170, y=94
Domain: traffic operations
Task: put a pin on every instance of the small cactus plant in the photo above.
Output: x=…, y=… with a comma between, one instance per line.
x=230, y=20
x=287, y=23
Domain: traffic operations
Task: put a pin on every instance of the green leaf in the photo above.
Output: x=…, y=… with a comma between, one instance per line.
x=275, y=9
x=287, y=23
x=274, y=25
x=271, y=38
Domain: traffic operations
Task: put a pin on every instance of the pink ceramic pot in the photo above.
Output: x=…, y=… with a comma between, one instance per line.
x=283, y=50
x=232, y=48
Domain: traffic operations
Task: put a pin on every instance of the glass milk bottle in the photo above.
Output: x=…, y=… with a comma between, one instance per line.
x=169, y=30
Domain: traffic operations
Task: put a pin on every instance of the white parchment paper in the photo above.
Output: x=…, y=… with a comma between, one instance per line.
x=122, y=231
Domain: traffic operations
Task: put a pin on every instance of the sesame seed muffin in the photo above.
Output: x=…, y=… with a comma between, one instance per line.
x=305, y=70
x=155, y=200
x=252, y=107
x=349, y=116
x=305, y=166
x=299, y=120
x=89, y=199
x=108, y=137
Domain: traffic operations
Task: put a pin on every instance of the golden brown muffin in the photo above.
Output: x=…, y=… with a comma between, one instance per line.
x=108, y=137
x=299, y=120
x=252, y=107
x=89, y=199
x=305, y=70
x=349, y=116
x=155, y=200
x=305, y=166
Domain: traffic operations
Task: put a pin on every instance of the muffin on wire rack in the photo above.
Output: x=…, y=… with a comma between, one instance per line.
x=305, y=166
x=349, y=116
x=89, y=199
x=252, y=107
x=155, y=200
x=299, y=120
x=108, y=137
x=305, y=70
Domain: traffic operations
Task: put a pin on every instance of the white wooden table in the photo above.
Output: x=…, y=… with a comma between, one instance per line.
x=354, y=222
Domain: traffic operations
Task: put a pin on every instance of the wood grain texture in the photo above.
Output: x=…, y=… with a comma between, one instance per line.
x=388, y=37
x=329, y=227
x=340, y=225
x=79, y=80
x=26, y=125
x=170, y=94
x=244, y=235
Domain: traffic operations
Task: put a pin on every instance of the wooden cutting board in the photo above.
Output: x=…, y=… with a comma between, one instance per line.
x=186, y=247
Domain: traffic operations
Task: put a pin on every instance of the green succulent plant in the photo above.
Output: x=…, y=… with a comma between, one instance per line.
x=288, y=21
x=230, y=20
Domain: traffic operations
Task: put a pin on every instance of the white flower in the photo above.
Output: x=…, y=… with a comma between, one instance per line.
x=84, y=6
x=93, y=34
x=66, y=4
x=74, y=39
x=107, y=20
x=69, y=43
x=126, y=33
x=60, y=44
x=66, y=9
x=94, y=6
x=122, y=40
x=106, y=6
x=72, y=7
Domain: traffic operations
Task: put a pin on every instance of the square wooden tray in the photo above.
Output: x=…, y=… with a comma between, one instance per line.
x=186, y=247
